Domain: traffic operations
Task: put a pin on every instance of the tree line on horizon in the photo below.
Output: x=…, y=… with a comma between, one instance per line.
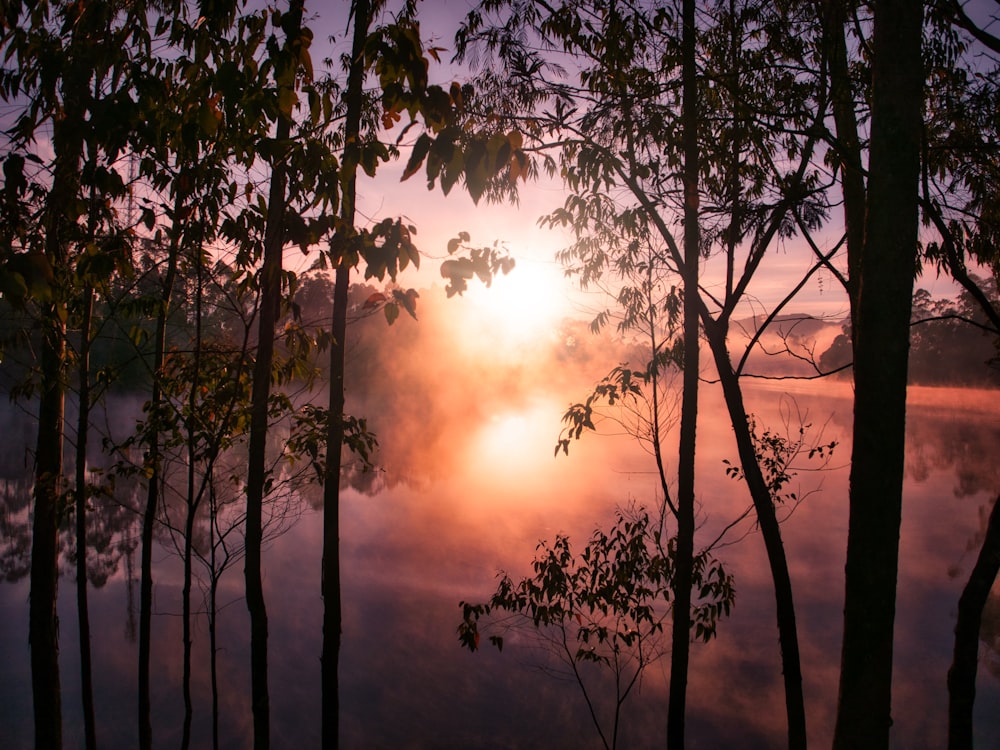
x=143, y=140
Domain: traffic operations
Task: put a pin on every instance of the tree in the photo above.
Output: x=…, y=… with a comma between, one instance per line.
x=107, y=248
x=684, y=577
x=395, y=52
x=618, y=136
x=958, y=198
x=179, y=160
x=883, y=297
x=959, y=171
x=654, y=312
x=287, y=66
x=951, y=193
x=603, y=606
x=63, y=55
x=962, y=674
x=332, y=616
x=193, y=101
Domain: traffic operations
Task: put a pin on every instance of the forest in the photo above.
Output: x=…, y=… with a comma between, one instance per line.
x=222, y=347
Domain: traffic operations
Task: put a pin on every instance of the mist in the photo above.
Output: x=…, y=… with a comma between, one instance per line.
x=465, y=484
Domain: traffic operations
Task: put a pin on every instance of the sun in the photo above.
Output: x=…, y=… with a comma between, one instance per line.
x=519, y=308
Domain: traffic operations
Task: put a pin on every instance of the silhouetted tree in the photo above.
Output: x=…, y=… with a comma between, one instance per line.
x=882, y=297
x=962, y=674
x=619, y=137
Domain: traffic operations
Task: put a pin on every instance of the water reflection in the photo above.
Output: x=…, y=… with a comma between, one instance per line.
x=475, y=495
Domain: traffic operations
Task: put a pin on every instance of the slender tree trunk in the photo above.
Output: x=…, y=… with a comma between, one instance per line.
x=186, y=624
x=256, y=470
x=81, y=495
x=965, y=663
x=213, y=608
x=760, y=494
x=881, y=348
x=270, y=303
x=153, y=468
x=848, y=146
x=332, y=613
x=684, y=562
x=152, y=462
x=193, y=499
x=43, y=618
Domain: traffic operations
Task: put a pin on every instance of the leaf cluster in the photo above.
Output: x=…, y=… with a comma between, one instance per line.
x=776, y=453
x=609, y=599
x=308, y=438
x=480, y=262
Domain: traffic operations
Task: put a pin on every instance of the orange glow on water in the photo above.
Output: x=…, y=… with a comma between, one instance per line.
x=515, y=444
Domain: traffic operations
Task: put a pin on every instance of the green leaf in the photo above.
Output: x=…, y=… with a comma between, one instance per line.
x=420, y=149
x=408, y=300
x=453, y=169
x=391, y=311
x=477, y=171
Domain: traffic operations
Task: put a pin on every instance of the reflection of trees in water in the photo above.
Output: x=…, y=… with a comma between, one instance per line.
x=110, y=520
x=112, y=502
x=15, y=528
x=15, y=492
x=116, y=499
x=989, y=634
x=369, y=481
x=989, y=628
x=958, y=443
x=948, y=430
x=111, y=536
x=110, y=529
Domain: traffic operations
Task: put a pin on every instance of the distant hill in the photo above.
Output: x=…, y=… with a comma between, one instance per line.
x=791, y=345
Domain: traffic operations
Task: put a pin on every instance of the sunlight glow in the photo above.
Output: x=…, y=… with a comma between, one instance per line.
x=521, y=307
x=516, y=444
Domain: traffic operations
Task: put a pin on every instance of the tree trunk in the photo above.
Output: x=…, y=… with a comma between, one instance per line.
x=153, y=468
x=186, y=621
x=770, y=531
x=146, y=557
x=684, y=562
x=193, y=501
x=43, y=618
x=270, y=294
x=270, y=303
x=962, y=675
x=881, y=348
x=213, y=611
x=332, y=612
x=848, y=145
x=81, y=494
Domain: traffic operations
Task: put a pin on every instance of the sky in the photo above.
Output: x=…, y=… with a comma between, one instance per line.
x=537, y=290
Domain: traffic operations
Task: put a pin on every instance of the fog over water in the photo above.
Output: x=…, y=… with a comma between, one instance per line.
x=467, y=418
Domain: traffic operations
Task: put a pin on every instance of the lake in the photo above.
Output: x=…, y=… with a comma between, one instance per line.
x=460, y=499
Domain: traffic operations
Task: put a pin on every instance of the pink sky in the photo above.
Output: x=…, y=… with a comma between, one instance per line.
x=438, y=218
